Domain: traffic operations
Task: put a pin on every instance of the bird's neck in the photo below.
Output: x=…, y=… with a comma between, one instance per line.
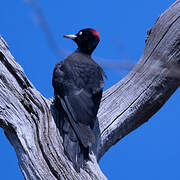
x=84, y=51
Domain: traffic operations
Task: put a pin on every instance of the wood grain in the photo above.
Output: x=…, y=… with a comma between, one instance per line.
x=30, y=121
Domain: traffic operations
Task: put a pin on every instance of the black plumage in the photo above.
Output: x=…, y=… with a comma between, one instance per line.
x=78, y=84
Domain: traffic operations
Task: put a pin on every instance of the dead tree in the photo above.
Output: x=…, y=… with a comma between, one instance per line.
x=30, y=121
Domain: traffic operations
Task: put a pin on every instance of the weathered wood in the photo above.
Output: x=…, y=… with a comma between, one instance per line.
x=133, y=100
x=30, y=121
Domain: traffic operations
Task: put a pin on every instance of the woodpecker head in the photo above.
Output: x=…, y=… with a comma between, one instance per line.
x=86, y=39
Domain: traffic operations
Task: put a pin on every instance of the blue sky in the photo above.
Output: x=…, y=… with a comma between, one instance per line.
x=150, y=152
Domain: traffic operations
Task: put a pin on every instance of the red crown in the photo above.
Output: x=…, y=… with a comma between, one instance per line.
x=96, y=33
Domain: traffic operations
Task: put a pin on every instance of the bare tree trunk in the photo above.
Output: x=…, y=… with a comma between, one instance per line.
x=30, y=121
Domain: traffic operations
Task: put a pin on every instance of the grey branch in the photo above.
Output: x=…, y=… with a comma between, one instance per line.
x=30, y=121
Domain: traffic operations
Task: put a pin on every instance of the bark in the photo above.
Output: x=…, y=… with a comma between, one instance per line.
x=30, y=121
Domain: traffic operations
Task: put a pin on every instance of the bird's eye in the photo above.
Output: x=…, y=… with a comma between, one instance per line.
x=80, y=33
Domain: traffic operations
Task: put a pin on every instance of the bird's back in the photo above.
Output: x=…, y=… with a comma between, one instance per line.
x=84, y=72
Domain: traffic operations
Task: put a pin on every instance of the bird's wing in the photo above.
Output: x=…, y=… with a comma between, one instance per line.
x=88, y=83
x=80, y=105
x=83, y=131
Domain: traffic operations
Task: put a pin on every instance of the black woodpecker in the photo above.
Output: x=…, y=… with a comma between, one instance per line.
x=78, y=84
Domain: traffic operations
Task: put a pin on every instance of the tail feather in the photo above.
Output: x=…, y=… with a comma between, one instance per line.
x=73, y=148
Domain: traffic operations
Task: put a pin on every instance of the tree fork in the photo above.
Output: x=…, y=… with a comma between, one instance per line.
x=30, y=121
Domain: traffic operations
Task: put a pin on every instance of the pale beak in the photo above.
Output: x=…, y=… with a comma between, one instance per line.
x=71, y=36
